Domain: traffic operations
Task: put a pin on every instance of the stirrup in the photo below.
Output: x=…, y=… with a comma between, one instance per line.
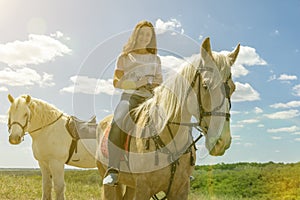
x=111, y=177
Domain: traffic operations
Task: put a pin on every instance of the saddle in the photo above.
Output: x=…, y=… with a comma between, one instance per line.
x=79, y=129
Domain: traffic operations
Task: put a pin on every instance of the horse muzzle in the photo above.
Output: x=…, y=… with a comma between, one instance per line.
x=219, y=148
x=13, y=139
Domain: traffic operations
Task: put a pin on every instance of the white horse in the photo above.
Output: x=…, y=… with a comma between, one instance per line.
x=50, y=141
x=163, y=159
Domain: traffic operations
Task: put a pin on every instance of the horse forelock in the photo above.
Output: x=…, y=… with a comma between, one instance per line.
x=223, y=64
x=40, y=111
x=16, y=104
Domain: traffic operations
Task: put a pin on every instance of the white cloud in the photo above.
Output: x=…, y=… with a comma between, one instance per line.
x=248, y=121
x=297, y=139
x=57, y=34
x=3, y=89
x=24, y=77
x=276, y=138
x=260, y=125
x=258, y=110
x=291, y=104
x=283, y=114
x=237, y=126
x=234, y=112
x=244, y=92
x=172, y=25
x=171, y=63
x=86, y=85
x=248, y=56
x=290, y=129
x=236, y=137
x=3, y=119
x=37, y=49
x=285, y=77
x=239, y=70
x=296, y=90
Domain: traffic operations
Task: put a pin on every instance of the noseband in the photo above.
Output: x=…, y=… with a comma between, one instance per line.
x=19, y=124
x=27, y=122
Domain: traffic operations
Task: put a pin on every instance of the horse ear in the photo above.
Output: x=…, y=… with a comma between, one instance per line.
x=28, y=98
x=233, y=55
x=206, y=48
x=10, y=98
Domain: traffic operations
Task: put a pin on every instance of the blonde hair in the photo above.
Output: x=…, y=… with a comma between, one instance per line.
x=130, y=45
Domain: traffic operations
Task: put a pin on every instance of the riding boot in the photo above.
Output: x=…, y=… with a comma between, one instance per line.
x=117, y=136
x=115, y=150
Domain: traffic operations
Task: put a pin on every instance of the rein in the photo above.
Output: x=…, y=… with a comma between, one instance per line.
x=197, y=125
x=47, y=124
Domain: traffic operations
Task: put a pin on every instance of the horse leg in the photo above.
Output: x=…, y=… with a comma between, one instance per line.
x=112, y=193
x=47, y=181
x=129, y=193
x=181, y=193
x=57, y=171
x=141, y=191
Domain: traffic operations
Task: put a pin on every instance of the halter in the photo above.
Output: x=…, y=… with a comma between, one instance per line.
x=27, y=122
x=19, y=124
x=215, y=111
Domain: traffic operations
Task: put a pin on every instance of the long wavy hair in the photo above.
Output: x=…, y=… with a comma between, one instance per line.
x=130, y=45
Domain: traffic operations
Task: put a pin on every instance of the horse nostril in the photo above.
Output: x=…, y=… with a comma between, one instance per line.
x=15, y=140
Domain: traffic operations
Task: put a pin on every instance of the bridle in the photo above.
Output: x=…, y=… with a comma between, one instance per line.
x=215, y=111
x=160, y=145
x=27, y=122
x=23, y=127
x=201, y=110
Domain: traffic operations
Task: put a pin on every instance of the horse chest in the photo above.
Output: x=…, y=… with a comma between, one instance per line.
x=47, y=145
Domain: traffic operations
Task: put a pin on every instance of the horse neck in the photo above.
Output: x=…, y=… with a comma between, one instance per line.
x=42, y=114
x=176, y=136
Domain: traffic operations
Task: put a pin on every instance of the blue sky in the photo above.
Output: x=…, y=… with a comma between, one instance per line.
x=46, y=45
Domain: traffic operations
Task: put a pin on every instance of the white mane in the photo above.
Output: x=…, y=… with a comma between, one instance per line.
x=169, y=97
x=41, y=112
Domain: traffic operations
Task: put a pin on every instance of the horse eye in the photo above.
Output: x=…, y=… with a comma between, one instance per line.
x=205, y=86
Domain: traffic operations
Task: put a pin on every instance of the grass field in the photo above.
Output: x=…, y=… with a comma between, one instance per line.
x=242, y=181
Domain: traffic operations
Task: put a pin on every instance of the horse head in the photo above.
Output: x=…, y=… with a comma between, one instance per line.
x=18, y=118
x=213, y=87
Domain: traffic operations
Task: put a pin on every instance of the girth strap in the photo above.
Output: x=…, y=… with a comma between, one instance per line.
x=73, y=146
